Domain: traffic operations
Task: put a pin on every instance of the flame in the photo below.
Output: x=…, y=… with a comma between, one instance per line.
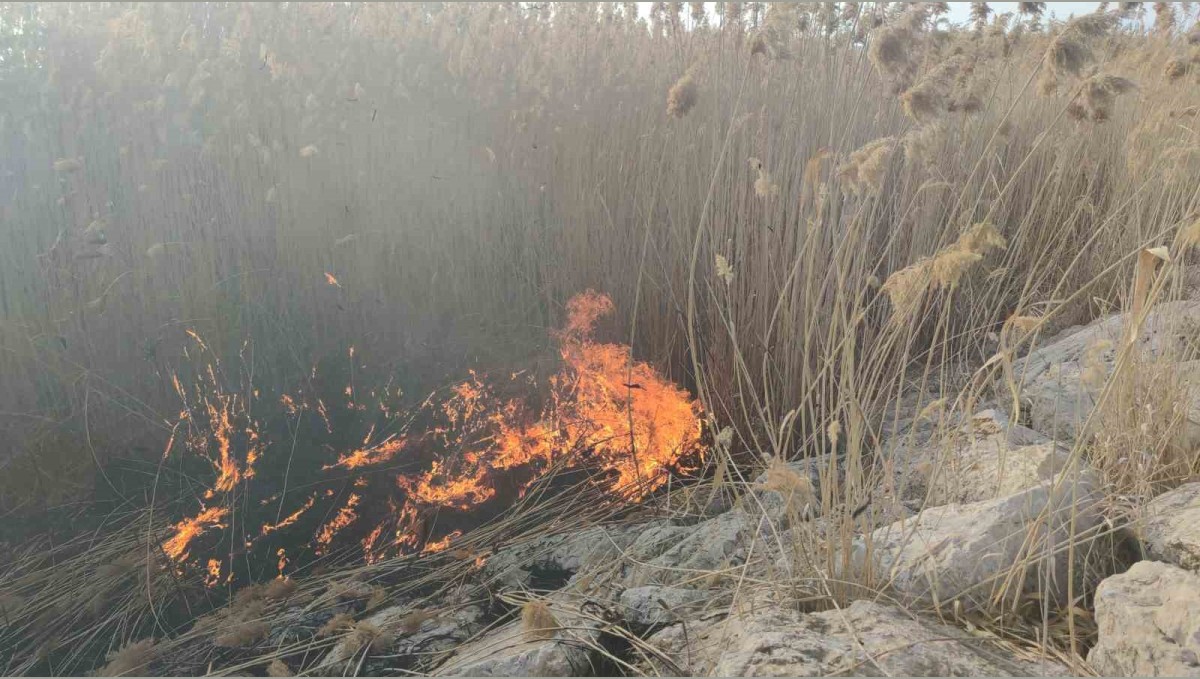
x=441, y=545
x=191, y=528
x=583, y=310
x=344, y=517
x=331, y=280
x=370, y=542
x=602, y=410
x=289, y=404
x=368, y=456
x=290, y=519
x=605, y=407
x=214, y=573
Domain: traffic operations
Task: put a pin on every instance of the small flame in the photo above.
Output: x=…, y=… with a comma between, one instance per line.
x=290, y=519
x=213, y=578
x=191, y=528
x=331, y=280
x=345, y=516
x=441, y=545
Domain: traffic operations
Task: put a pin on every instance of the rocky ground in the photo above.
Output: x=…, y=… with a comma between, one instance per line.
x=749, y=587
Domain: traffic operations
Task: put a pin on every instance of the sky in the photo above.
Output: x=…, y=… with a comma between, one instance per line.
x=960, y=11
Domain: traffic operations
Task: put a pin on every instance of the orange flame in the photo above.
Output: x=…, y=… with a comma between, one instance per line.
x=441, y=545
x=191, y=528
x=213, y=578
x=368, y=456
x=331, y=280
x=345, y=516
x=290, y=519
x=617, y=412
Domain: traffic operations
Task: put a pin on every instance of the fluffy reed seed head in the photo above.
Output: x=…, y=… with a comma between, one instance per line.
x=796, y=488
x=1098, y=96
x=278, y=668
x=336, y=625
x=243, y=634
x=764, y=186
x=132, y=659
x=890, y=52
x=1176, y=68
x=864, y=170
x=366, y=635
x=683, y=95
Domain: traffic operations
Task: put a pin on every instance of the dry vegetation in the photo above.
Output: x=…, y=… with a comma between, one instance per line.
x=820, y=219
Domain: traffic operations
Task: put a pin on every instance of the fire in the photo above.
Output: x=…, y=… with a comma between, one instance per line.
x=479, y=441
x=441, y=545
x=605, y=408
x=191, y=528
x=345, y=516
x=364, y=457
x=583, y=310
x=331, y=280
x=214, y=573
x=227, y=468
x=290, y=519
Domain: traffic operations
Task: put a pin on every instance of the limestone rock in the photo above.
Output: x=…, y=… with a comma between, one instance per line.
x=559, y=556
x=1149, y=623
x=987, y=458
x=507, y=650
x=654, y=605
x=413, y=634
x=1051, y=388
x=666, y=554
x=864, y=639
x=1170, y=528
x=965, y=551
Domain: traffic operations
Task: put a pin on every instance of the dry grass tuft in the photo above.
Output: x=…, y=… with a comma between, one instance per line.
x=133, y=659
x=537, y=621
x=278, y=668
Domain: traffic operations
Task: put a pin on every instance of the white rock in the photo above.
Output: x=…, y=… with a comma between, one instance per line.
x=864, y=639
x=1170, y=527
x=654, y=605
x=437, y=633
x=1149, y=623
x=985, y=459
x=666, y=554
x=506, y=651
x=1051, y=388
x=966, y=552
x=564, y=554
